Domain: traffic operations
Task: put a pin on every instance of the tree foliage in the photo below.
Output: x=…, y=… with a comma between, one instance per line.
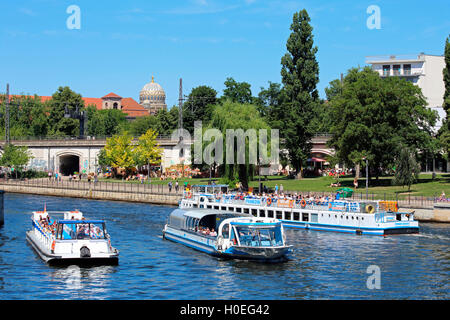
x=407, y=168
x=237, y=91
x=234, y=115
x=300, y=75
x=15, y=156
x=147, y=151
x=372, y=117
x=198, y=106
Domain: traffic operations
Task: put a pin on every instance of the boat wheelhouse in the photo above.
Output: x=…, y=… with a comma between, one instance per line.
x=227, y=234
x=71, y=240
x=360, y=217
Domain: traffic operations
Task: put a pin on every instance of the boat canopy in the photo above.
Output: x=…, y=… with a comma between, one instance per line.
x=191, y=218
x=81, y=221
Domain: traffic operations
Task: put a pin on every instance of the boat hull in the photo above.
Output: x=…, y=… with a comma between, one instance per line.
x=381, y=231
x=58, y=260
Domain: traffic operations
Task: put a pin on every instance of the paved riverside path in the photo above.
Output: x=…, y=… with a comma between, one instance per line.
x=101, y=190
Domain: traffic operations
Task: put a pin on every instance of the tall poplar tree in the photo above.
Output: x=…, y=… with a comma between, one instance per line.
x=300, y=75
x=444, y=132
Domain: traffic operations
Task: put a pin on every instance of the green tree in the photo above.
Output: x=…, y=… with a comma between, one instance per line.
x=237, y=91
x=233, y=115
x=444, y=131
x=198, y=106
x=166, y=121
x=407, y=168
x=15, y=157
x=64, y=99
x=373, y=116
x=300, y=75
x=147, y=151
x=141, y=124
x=119, y=151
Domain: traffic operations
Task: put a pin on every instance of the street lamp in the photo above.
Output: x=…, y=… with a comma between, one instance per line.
x=77, y=114
x=367, y=177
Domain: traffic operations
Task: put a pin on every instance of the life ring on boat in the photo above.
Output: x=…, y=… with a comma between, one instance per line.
x=303, y=203
x=53, y=246
x=189, y=195
x=370, y=208
x=329, y=205
x=269, y=201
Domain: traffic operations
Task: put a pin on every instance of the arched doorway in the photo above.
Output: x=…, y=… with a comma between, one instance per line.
x=68, y=164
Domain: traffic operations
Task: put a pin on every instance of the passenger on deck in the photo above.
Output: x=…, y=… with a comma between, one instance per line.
x=213, y=233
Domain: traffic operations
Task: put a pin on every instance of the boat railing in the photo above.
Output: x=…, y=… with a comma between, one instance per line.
x=325, y=205
x=43, y=235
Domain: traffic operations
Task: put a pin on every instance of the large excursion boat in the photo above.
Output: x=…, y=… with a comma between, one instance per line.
x=228, y=234
x=360, y=217
x=71, y=240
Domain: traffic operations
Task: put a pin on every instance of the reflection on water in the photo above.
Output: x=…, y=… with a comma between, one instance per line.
x=322, y=265
x=82, y=283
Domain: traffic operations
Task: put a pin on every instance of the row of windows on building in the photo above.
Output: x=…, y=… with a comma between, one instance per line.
x=396, y=68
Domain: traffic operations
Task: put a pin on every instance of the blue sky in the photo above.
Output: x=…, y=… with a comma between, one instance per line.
x=122, y=43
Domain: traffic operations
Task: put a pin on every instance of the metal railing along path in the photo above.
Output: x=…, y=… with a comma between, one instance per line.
x=102, y=186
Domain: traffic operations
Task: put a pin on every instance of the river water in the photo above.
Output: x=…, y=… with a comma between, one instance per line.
x=322, y=265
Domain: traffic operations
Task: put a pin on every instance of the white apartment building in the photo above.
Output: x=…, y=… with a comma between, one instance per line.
x=423, y=70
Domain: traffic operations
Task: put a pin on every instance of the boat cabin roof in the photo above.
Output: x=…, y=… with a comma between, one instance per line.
x=81, y=221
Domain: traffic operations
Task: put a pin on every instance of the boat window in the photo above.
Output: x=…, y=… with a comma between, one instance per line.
x=255, y=212
x=270, y=213
x=226, y=231
x=314, y=217
x=223, y=208
x=216, y=207
x=246, y=210
x=287, y=215
x=279, y=214
x=305, y=216
x=262, y=213
x=209, y=207
x=238, y=209
x=82, y=231
x=296, y=215
x=260, y=237
x=230, y=208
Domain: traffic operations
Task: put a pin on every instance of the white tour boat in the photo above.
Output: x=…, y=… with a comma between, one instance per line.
x=71, y=240
x=360, y=217
x=228, y=234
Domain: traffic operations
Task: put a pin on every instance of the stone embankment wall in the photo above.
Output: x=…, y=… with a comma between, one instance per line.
x=161, y=199
x=440, y=212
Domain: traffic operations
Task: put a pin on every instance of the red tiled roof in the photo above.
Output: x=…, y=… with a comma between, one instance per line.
x=132, y=108
x=97, y=102
x=111, y=95
x=129, y=105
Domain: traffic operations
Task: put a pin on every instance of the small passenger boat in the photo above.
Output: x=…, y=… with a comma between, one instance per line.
x=71, y=240
x=227, y=234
